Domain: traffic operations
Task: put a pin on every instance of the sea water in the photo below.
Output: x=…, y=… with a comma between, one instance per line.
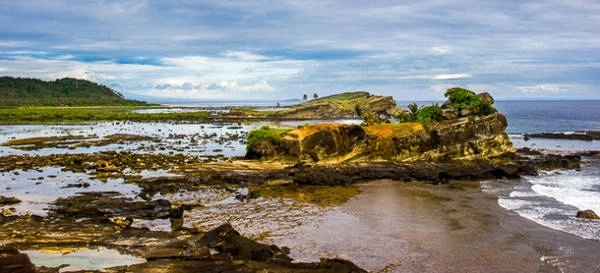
x=553, y=198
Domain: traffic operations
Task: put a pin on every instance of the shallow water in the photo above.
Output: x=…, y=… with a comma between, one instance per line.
x=389, y=226
x=82, y=259
x=38, y=188
x=199, y=139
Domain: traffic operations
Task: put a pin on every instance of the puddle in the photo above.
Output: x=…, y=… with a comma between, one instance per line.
x=196, y=139
x=255, y=218
x=83, y=259
x=38, y=188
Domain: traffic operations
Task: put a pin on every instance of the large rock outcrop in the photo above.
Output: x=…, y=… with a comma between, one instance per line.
x=351, y=105
x=463, y=136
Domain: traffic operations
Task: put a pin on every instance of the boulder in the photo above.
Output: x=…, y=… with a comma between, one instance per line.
x=486, y=96
x=13, y=261
x=587, y=214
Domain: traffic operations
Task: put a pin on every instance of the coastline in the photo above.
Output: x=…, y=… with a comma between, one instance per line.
x=440, y=221
x=417, y=227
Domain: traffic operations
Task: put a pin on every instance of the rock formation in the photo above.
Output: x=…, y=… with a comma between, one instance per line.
x=460, y=136
x=351, y=105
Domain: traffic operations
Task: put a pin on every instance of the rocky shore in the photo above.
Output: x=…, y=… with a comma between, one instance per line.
x=461, y=146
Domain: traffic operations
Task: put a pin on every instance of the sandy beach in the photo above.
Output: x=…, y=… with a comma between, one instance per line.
x=414, y=227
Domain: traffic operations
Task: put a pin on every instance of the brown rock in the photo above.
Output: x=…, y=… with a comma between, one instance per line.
x=12, y=261
x=587, y=214
x=486, y=96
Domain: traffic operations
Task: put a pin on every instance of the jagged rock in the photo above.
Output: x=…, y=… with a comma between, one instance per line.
x=225, y=239
x=13, y=261
x=587, y=214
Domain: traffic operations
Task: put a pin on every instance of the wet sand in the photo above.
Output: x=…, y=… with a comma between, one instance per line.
x=415, y=227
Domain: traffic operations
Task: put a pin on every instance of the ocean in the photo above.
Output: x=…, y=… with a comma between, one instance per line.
x=553, y=198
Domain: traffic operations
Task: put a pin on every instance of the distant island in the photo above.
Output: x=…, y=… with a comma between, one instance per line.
x=61, y=92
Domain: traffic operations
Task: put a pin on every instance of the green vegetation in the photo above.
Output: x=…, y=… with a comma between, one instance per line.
x=65, y=91
x=369, y=119
x=458, y=98
x=40, y=115
x=347, y=96
x=422, y=114
x=265, y=133
x=463, y=99
x=429, y=113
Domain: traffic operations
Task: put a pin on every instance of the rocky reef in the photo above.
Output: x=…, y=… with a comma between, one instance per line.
x=460, y=134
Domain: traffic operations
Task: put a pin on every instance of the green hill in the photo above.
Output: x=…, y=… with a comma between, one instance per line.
x=65, y=91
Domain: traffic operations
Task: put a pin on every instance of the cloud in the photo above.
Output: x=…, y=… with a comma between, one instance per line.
x=221, y=90
x=451, y=76
x=233, y=48
x=544, y=88
x=441, y=50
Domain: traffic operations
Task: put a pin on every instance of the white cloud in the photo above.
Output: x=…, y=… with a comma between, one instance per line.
x=543, y=88
x=262, y=85
x=245, y=56
x=451, y=76
x=441, y=50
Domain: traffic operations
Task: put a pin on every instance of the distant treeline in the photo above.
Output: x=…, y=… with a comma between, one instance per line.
x=61, y=92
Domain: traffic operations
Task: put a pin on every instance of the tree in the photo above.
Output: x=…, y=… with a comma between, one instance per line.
x=315, y=96
x=463, y=99
x=305, y=97
x=414, y=108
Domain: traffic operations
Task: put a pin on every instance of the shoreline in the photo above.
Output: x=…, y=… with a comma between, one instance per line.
x=450, y=228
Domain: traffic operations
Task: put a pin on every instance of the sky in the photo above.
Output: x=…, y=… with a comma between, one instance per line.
x=276, y=50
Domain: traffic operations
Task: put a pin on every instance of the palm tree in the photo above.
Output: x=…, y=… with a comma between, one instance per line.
x=414, y=108
x=315, y=96
x=305, y=97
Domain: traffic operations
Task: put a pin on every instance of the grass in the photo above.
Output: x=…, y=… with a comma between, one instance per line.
x=45, y=115
x=265, y=133
x=394, y=129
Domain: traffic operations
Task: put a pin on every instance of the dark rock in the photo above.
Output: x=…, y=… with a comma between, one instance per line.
x=8, y=200
x=105, y=205
x=587, y=214
x=225, y=239
x=12, y=261
x=574, y=136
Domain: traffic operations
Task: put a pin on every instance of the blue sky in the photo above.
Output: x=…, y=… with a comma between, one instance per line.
x=275, y=50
